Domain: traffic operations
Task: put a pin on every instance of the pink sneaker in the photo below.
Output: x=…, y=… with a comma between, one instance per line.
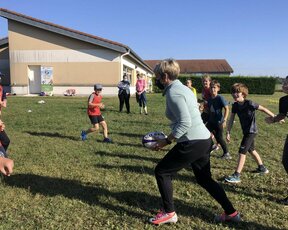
x=163, y=218
x=234, y=217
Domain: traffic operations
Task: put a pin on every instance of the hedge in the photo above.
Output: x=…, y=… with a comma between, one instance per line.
x=256, y=85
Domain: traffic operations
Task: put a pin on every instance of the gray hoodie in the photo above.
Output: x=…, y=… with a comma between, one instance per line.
x=183, y=111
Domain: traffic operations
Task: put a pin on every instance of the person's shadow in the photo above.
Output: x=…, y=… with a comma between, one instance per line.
x=72, y=189
x=54, y=134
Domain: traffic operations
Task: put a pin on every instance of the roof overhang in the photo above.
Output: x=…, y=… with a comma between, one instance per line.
x=3, y=41
x=118, y=47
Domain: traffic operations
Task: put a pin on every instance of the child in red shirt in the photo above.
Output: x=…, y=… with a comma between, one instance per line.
x=94, y=113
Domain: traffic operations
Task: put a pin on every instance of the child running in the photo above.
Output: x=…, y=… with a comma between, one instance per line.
x=245, y=109
x=217, y=122
x=94, y=113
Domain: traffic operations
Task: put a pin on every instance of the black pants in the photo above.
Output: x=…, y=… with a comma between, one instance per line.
x=4, y=139
x=218, y=134
x=124, y=97
x=205, y=117
x=285, y=155
x=197, y=154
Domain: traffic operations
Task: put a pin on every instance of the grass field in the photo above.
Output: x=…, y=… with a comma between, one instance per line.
x=60, y=182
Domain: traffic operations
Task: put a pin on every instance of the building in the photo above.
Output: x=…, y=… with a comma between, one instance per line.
x=47, y=57
x=200, y=67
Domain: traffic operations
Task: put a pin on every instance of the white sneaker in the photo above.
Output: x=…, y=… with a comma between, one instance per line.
x=163, y=218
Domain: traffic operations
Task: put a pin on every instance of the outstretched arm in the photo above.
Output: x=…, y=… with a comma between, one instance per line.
x=265, y=110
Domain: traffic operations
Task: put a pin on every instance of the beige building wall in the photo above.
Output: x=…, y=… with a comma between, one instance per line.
x=75, y=63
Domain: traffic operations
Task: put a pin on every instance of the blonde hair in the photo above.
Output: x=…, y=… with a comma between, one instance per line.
x=240, y=88
x=169, y=67
x=206, y=77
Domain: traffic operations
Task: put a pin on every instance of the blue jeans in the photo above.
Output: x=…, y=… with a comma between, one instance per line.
x=142, y=100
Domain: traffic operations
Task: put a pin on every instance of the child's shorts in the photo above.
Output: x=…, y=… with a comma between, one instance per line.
x=247, y=143
x=96, y=119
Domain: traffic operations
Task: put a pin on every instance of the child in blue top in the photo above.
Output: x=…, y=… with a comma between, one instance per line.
x=217, y=122
x=245, y=109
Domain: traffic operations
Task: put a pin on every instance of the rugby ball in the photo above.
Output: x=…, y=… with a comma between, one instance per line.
x=150, y=139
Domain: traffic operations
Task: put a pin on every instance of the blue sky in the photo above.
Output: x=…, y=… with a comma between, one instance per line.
x=252, y=35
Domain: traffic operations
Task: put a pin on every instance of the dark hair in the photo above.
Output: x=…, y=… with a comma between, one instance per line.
x=215, y=82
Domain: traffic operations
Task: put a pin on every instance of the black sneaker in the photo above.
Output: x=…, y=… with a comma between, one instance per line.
x=262, y=170
x=107, y=140
x=284, y=201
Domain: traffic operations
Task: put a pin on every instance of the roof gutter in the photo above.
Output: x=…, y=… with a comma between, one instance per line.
x=121, y=65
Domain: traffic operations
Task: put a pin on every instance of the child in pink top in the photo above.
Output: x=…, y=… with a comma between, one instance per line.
x=141, y=93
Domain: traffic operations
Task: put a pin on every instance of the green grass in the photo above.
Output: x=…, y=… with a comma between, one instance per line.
x=60, y=182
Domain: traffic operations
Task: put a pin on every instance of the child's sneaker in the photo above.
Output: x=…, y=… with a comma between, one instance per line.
x=284, y=201
x=83, y=135
x=234, y=217
x=107, y=140
x=261, y=169
x=226, y=156
x=215, y=147
x=163, y=218
x=233, y=179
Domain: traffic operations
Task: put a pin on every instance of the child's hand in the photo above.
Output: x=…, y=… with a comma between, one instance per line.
x=2, y=126
x=102, y=106
x=269, y=120
x=6, y=166
x=228, y=137
x=201, y=107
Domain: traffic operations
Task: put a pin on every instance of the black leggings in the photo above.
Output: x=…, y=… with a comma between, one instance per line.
x=124, y=97
x=4, y=139
x=285, y=155
x=218, y=134
x=197, y=154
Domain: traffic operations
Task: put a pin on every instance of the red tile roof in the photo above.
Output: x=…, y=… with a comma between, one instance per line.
x=212, y=66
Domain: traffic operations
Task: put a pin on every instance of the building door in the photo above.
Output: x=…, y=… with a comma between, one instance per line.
x=34, y=77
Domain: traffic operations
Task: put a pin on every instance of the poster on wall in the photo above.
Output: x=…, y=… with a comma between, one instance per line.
x=47, y=80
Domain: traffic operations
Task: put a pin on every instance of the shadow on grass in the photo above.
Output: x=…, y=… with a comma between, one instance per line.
x=127, y=156
x=260, y=193
x=72, y=189
x=58, y=135
x=134, y=135
x=123, y=144
x=147, y=170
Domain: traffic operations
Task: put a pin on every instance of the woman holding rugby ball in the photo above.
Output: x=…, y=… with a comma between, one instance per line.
x=192, y=149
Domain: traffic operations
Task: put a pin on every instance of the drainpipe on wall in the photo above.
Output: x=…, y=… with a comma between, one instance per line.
x=121, y=67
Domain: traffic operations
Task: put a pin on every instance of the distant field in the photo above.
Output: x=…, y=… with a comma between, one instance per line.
x=61, y=182
x=278, y=88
